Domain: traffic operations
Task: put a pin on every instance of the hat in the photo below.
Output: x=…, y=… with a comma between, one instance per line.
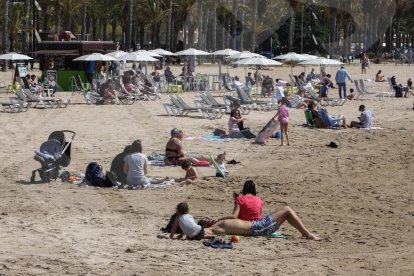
x=175, y=131
x=332, y=145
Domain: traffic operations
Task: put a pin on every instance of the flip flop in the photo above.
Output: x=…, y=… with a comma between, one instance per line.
x=228, y=245
x=277, y=235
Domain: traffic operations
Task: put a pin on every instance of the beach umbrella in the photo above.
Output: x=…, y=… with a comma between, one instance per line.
x=245, y=54
x=95, y=57
x=321, y=61
x=225, y=52
x=139, y=57
x=162, y=52
x=116, y=54
x=192, y=52
x=145, y=52
x=14, y=56
x=258, y=61
x=292, y=58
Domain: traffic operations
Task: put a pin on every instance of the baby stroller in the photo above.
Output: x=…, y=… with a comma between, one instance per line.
x=53, y=155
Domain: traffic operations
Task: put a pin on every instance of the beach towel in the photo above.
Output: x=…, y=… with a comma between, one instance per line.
x=208, y=138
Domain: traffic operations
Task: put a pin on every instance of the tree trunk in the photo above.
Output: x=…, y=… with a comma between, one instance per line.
x=254, y=18
x=241, y=45
x=291, y=35
x=114, y=30
x=128, y=26
x=234, y=35
x=25, y=32
x=104, y=28
x=83, y=27
x=169, y=27
x=5, y=29
x=200, y=25
x=214, y=27
x=58, y=17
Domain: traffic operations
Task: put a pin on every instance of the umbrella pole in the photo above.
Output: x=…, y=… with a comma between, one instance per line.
x=185, y=75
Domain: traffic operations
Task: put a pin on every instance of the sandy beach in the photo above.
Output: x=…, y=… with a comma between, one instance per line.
x=358, y=197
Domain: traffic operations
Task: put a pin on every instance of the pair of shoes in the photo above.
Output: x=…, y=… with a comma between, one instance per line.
x=218, y=243
x=233, y=162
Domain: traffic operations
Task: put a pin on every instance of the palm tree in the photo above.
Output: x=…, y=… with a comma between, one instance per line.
x=25, y=33
x=128, y=27
x=253, y=30
x=5, y=34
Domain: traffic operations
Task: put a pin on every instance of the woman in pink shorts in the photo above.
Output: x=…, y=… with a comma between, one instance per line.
x=283, y=118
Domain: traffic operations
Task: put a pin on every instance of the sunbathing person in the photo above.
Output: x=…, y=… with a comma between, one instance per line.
x=267, y=225
x=109, y=93
x=174, y=152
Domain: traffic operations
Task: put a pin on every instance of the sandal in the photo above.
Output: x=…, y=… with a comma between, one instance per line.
x=211, y=241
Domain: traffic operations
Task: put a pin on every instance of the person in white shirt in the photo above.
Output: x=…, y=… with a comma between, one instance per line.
x=192, y=230
x=136, y=168
x=365, y=120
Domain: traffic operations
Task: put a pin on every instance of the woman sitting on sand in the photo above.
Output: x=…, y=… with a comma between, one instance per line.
x=136, y=167
x=174, y=152
x=247, y=206
x=234, y=126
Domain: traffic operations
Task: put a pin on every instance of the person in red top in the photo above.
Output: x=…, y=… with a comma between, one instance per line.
x=247, y=206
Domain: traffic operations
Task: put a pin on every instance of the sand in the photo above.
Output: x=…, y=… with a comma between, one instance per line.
x=358, y=197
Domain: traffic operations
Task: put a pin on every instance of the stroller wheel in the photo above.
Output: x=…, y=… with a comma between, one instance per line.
x=44, y=176
x=65, y=176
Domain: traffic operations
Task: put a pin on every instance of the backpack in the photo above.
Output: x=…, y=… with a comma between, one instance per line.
x=94, y=173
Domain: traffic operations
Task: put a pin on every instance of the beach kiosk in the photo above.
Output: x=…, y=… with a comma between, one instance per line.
x=59, y=55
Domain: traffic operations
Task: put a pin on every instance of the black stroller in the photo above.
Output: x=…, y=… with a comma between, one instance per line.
x=53, y=155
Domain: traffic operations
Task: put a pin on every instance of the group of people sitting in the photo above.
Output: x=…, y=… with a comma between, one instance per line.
x=134, y=84
x=247, y=219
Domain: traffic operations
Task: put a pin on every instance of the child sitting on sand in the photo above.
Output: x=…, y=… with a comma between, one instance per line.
x=221, y=161
x=190, y=174
x=190, y=228
x=351, y=95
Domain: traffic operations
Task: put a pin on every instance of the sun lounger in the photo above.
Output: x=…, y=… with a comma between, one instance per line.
x=53, y=102
x=245, y=99
x=244, y=108
x=206, y=112
x=13, y=106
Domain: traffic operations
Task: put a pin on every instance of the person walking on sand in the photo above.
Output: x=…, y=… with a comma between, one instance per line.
x=282, y=115
x=340, y=79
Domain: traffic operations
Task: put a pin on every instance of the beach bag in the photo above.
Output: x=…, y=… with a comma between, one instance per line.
x=94, y=174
